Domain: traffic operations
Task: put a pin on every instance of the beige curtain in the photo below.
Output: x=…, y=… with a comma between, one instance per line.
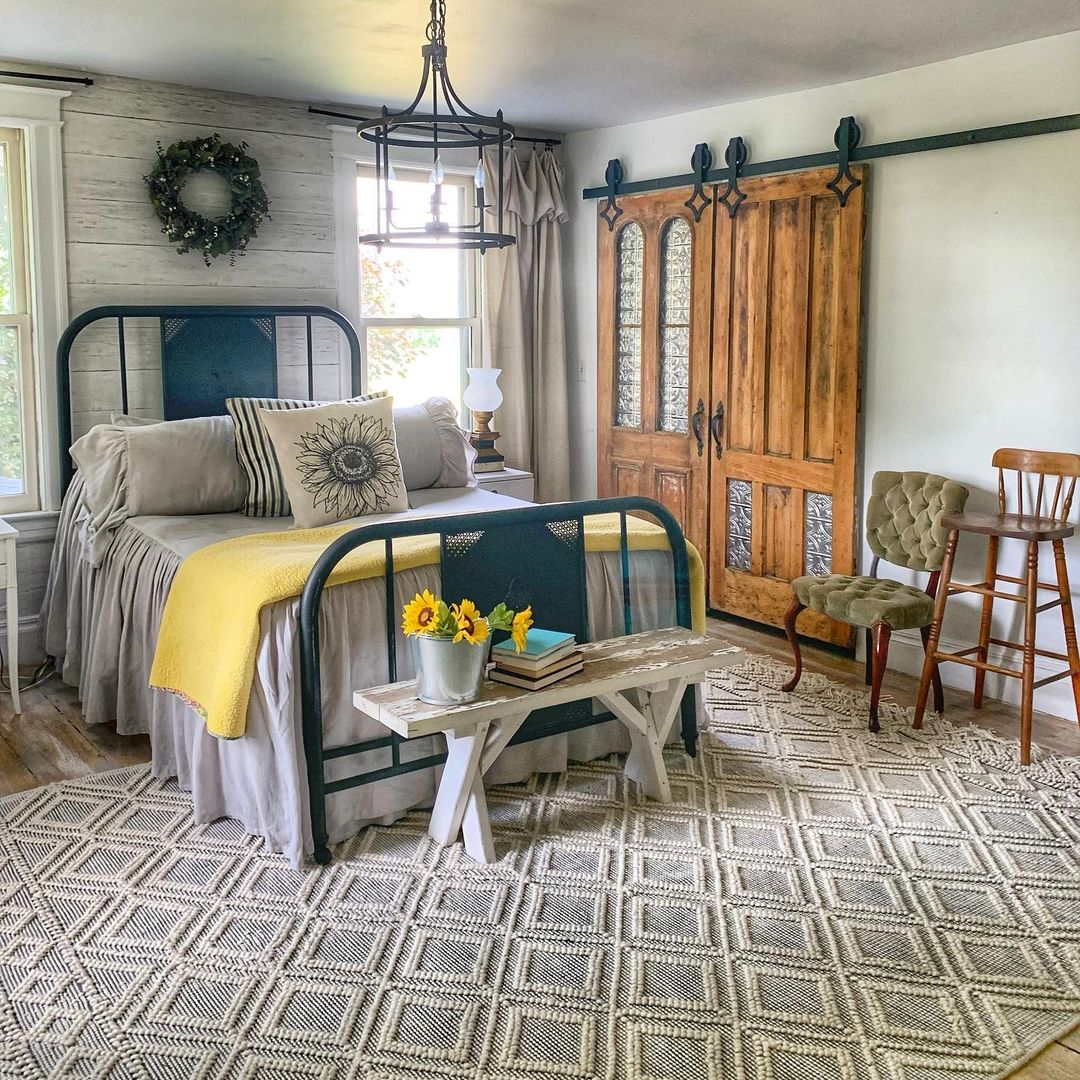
x=524, y=321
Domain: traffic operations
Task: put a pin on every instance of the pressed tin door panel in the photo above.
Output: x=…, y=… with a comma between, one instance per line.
x=787, y=281
x=653, y=306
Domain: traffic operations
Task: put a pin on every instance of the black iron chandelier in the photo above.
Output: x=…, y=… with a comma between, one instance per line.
x=456, y=127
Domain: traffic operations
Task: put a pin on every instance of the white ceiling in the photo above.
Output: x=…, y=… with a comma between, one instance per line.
x=554, y=64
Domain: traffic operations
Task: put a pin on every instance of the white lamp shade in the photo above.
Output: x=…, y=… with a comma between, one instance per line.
x=483, y=393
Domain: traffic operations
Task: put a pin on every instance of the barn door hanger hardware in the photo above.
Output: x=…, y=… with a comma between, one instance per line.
x=846, y=138
x=613, y=177
x=849, y=149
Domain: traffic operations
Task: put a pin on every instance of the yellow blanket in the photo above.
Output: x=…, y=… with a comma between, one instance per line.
x=210, y=629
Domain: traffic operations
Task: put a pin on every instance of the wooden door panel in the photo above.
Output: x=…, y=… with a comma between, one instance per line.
x=822, y=330
x=653, y=451
x=672, y=487
x=787, y=280
x=626, y=478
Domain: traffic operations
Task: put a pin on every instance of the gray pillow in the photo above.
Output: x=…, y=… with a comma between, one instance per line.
x=434, y=451
x=130, y=471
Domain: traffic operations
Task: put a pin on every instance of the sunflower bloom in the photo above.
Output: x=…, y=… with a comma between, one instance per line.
x=472, y=626
x=519, y=631
x=420, y=614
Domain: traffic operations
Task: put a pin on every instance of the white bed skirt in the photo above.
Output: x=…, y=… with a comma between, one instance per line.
x=101, y=625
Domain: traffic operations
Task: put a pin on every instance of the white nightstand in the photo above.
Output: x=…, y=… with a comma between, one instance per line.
x=516, y=483
x=9, y=581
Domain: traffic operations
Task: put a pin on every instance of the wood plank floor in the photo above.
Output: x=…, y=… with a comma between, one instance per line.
x=50, y=742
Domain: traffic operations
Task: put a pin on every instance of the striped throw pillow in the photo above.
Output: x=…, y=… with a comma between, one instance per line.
x=266, y=495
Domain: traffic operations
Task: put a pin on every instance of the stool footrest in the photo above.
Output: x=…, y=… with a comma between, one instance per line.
x=1020, y=581
x=1050, y=655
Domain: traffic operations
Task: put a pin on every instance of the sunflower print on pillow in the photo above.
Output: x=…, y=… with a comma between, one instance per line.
x=349, y=466
x=338, y=461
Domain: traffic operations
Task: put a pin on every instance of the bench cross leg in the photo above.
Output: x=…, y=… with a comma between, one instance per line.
x=649, y=723
x=460, y=804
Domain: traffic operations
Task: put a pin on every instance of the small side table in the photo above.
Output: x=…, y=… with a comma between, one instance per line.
x=517, y=483
x=9, y=581
x=640, y=678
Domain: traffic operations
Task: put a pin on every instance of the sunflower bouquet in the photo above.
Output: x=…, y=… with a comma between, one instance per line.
x=430, y=616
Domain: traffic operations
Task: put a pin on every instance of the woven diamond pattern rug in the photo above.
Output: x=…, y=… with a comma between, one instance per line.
x=817, y=904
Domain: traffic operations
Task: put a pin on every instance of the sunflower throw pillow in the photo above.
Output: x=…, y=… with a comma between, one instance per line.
x=338, y=461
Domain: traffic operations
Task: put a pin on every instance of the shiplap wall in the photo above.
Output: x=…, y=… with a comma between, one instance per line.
x=117, y=253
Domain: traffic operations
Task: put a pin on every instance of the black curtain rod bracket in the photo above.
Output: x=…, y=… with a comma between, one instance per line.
x=47, y=78
x=848, y=151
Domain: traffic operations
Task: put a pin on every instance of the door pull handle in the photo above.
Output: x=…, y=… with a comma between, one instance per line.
x=695, y=424
x=716, y=429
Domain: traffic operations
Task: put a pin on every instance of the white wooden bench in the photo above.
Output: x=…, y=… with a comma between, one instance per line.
x=640, y=678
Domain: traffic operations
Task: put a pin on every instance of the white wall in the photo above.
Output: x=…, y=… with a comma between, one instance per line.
x=972, y=303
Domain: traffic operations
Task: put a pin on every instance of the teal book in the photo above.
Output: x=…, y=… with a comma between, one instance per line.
x=538, y=644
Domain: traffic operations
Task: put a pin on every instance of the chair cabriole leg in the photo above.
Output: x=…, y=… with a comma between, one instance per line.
x=1027, y=676
x=1069, y=621
x=930, y=660
x=881, y=633
x=793, y=637
x=986, y=620
x=869, y=646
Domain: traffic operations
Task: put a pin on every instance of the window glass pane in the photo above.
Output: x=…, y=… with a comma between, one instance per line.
x=416, y=283
x=12, y=468
x=414, y=362
x=629, y=273
x=675, y=326
x=7, y=254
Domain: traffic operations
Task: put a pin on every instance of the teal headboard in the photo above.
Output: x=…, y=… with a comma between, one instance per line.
x=208, y=353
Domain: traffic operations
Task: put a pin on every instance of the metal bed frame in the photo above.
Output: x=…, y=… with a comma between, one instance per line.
x=480, y=557
x=209, y=353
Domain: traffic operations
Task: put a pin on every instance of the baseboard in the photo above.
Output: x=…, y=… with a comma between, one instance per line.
x=906, y=654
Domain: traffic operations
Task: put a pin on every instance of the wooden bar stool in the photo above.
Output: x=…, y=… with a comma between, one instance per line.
x=1044, y=520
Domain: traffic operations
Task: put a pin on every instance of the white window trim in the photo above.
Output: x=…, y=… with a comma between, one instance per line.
x=349, y=153
x=36, y=110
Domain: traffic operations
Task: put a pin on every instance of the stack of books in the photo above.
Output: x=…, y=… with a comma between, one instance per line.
x=548, y=656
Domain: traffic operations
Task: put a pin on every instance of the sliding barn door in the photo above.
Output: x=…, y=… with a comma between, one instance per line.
x=655, y=278
x=785, y=381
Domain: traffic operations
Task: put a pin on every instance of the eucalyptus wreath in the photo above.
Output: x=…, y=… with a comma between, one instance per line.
x=228, y=235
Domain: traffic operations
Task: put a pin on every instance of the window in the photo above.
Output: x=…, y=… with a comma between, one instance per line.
x=419, y=323
x=18, y=429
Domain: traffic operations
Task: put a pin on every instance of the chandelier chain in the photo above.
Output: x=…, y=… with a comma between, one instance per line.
x=436, y=28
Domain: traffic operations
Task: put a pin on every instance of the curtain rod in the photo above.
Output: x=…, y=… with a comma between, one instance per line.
x=351, y=116
x=47, y=78
x=970, y=137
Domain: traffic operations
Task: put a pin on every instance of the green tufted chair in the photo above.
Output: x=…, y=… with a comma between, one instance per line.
x=903, y=526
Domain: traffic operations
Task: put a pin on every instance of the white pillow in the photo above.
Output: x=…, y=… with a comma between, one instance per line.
x=338, y=461
x=130, y=471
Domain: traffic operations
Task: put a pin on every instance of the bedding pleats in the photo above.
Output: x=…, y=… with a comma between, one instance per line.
x=101, y=624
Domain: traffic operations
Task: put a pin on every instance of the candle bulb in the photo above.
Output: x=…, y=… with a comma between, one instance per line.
x=480, y=176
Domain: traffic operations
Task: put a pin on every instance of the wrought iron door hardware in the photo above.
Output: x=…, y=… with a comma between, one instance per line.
x=971, y=137
x=847, y=139
x=613, y=177
x=701, y=162
x=695, y=424
x=735, y=158
x=716, y=429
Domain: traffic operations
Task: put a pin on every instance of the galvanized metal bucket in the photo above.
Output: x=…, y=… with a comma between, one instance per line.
x=448, y=672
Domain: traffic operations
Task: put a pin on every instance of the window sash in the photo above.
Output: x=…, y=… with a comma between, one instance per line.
x=469, y=298
x=21, y=320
